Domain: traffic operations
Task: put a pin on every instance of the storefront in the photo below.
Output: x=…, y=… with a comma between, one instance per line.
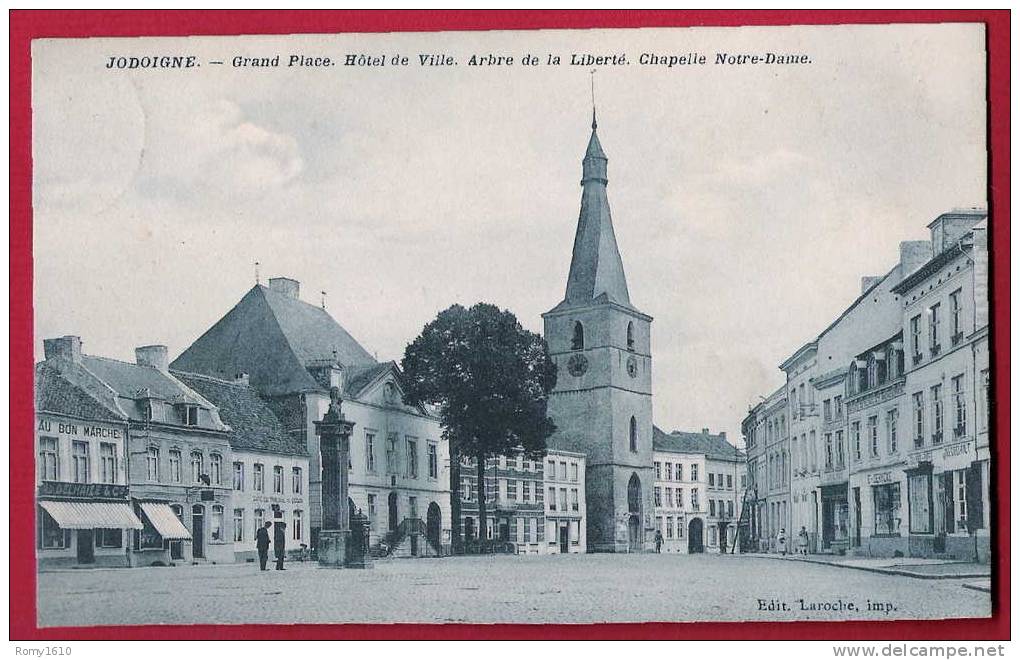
x=946, y=503
x=80, y=525
x=835, y=518
x=163, y=539
x=877, y=513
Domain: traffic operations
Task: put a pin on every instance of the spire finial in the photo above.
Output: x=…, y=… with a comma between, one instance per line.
x=258, y=280
x=324, y=305
x=594, y=124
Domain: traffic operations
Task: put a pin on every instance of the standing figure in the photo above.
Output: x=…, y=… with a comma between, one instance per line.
x=262, y=544
x=802, y=541
x=658, y=540
x=279, y=542
x=781, y=541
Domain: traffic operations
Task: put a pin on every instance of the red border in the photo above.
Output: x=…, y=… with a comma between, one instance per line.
x=28, y=25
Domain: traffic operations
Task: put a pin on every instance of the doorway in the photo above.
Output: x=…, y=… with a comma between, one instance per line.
x=86, y=546
x=198, y=531
x=564, y=539
x=723, y=528
x=634, y=534
x=695, y=536
x=857, y=517
x=392, y=502
x=434, y=525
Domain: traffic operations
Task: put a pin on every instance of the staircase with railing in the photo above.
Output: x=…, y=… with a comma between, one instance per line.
x=409, y=539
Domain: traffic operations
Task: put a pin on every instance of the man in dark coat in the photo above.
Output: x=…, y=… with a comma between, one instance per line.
x=262, y=544
x=279, y=542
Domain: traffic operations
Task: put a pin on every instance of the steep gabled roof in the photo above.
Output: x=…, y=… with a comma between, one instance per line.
x=66, y=394
x=254, y=426
x=272, y=337
x=712, y=446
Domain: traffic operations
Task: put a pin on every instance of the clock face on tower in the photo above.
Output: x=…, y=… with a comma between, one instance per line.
x=577, y=364
x=632, y=366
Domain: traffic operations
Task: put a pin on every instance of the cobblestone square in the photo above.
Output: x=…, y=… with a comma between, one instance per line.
x=501, y=589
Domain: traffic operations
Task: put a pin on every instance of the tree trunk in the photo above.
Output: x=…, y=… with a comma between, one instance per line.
x=456, y=529
x=482, y=516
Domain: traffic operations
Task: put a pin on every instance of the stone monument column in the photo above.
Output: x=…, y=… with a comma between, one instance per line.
x=334, y=447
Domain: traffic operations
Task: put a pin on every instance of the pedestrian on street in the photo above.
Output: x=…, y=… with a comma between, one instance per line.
x=279, y=542
x=802, y=541
x=781, y=541
x=658, y=541
x=262, y=544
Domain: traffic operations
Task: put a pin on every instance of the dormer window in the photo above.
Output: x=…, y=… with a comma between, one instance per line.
x=630, y=336
x=189, y=415
x=390, y=393
x=577, y=343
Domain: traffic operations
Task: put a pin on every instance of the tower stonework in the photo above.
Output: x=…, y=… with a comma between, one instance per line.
x=602, y=403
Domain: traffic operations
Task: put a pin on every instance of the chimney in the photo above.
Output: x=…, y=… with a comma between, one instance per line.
x=286, y=286
x=913, y=255
x=704, y=431
x=950, y=227
x=722, y=434
x=242, y=379
x=67, y=347
x=869, y=281
x=154, y=356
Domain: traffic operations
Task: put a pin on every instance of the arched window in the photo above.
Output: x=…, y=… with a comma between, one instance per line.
x=634, y=494
x=577, y=343
x=630, y=336
x=633, y=434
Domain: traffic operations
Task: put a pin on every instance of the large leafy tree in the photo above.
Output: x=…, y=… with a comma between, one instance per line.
x=490, y=379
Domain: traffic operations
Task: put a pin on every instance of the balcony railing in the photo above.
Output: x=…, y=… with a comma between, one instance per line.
x=957, y=338
x=936, y=438
x=917, y=359
x=935, y=349
x=960, y=431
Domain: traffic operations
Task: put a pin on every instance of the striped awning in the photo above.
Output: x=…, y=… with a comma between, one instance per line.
x=91, y=515
x=165, y=520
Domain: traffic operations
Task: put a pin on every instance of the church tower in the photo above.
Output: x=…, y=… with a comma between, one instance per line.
x=602, y=404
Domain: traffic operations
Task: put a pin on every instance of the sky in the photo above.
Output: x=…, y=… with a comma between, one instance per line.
x=747, y=201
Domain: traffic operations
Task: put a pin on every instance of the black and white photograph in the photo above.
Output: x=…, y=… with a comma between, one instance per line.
x=544, y=327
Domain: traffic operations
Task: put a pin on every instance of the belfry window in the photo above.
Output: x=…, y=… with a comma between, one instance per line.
x=577, y=343
x=630, y=336
x=633, y=434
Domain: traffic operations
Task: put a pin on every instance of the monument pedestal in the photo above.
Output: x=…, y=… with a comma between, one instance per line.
x=332, y=548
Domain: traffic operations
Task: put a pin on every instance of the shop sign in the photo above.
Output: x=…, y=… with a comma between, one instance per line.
x=95, y=491
x=269, y=499
x=959, y=455
x=78, y=430
x=915, y=459
x=879, y=478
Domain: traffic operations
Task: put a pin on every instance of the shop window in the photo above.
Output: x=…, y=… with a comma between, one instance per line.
x=887, y=508
x=575, y=532
x=147, y=538
x=51, y=536
x=110, y=538
x=298, y=525
x=216, y=523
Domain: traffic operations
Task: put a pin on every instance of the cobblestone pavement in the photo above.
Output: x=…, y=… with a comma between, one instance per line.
x=556, y=588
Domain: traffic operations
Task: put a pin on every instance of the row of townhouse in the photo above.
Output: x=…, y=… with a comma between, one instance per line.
x=534, y=505
x=155, y=462
x=699, y=491
x=878, y=443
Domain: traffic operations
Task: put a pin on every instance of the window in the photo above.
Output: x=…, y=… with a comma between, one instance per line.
x=296, y=483
x=873, y=435
x=370, y=452
x=190, y=415
x=259, y=519
x=984, y=405
x=813, y=451
x=238, y=475
x=563, y=499
x=669, y=527
x=216, y=523
x=574, y=472
x=679, y=472
x=840, y=455
x=563, y=470
x=936, y=414
x=694, y=473
x=658, y=470
x=526, y=491
x=511, y=490
x=574, y=502
x=50, y=534
x=238, y=525
x=108, y=462
x=433, y=461
x=465, y=489
x=657, y=494
x=729, y=508
x=216, y=468
x=633, y=434
x=175, y=465
x=48, y=459
x=197, y=466
x=669, y=497
x=552, y=499
x=891, y=420
x=954, y=316
x=711, y=480
x=918, y=419
x=371, y=511
x=837, y=404
x=711, y=507
x=729, y=481
x=80, y=458
x=412, y=458
x=915, y=337
x=960, y=405
x=259, y=483
x=391, y=454
x=679, y=498
x=630, y=336
x=961, y=499
x=933, y=329
x=577, y=341
x=550, y=472
x=278, y=479
x=297, y=525
x=110, y=538
x=694, y=499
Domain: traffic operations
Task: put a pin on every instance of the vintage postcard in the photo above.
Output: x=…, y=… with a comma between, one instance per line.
x=547, y=326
